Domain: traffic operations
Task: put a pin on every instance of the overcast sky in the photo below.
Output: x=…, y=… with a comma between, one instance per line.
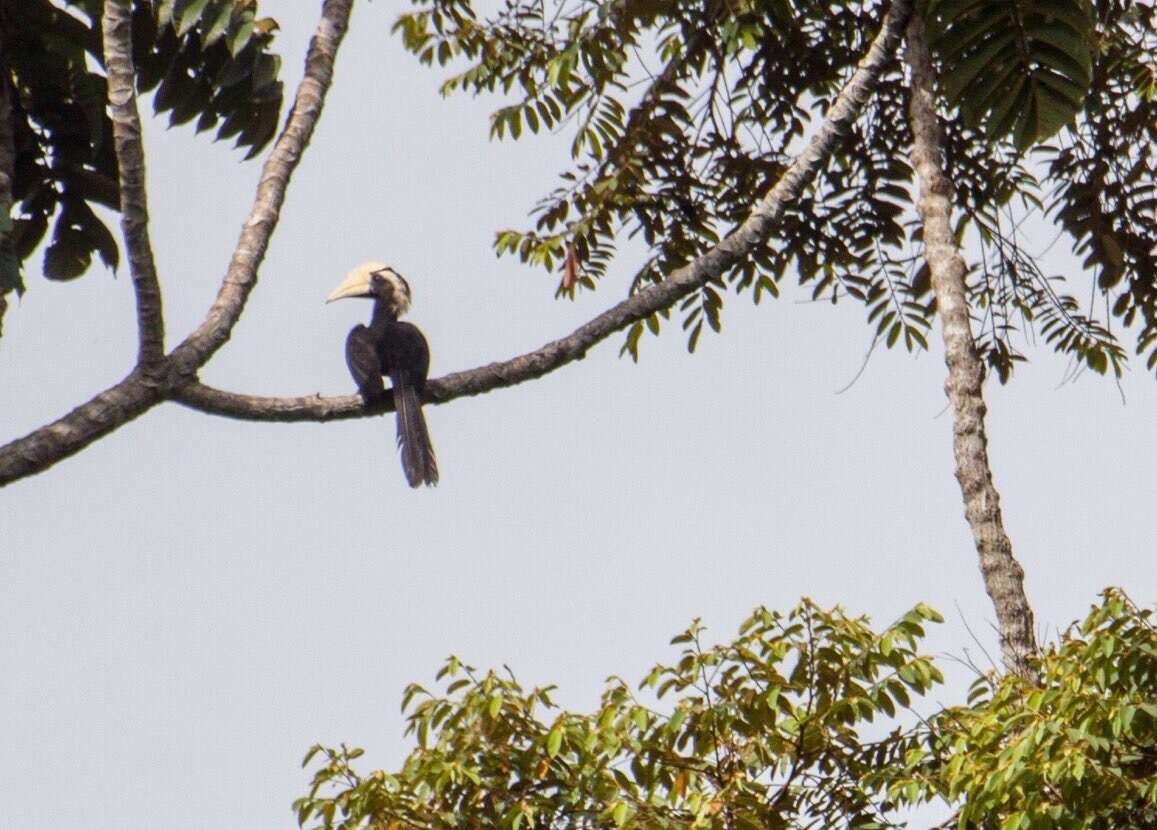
x=192, y=601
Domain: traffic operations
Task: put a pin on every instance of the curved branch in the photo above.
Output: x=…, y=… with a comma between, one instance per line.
x=711, y=265
x=290, y=410
x=239, y=280
x=1003, y=575
x=126, y=128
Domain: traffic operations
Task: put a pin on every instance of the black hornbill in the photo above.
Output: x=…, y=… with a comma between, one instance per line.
x=390, y=347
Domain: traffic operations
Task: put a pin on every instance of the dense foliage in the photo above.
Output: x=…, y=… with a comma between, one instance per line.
x=207, y=60
x=1079, y=751
x=682, y=115
x=764, y=731
x=796, y=723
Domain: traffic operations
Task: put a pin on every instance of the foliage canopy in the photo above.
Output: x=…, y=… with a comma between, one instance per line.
x=796, y=723
x=207, y=60
x=682, y=114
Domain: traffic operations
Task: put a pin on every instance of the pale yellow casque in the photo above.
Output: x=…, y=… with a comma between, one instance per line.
x=357, y=284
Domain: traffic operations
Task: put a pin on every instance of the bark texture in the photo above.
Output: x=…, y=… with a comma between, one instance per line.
x=1003, y=575
x=116, y=24
x=112, y=408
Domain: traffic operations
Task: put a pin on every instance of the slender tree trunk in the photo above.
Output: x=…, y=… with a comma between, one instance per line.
x=1003, y=575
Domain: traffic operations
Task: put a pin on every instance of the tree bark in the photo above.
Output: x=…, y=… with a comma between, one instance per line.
x=1003, y=575
x=109, y=410
x=116, y=24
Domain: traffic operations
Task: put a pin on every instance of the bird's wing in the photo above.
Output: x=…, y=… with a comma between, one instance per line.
x=406, y=355
x=361, y=356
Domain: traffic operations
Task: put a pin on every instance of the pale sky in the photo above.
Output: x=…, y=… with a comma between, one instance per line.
x=191, y=602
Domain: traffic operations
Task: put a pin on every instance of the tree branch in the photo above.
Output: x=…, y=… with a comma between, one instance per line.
x=239, y=280
x=1003, y=575
x=135, y=394
x=116, y=24
x=67, y=436
x=709, y=266
x=289, y=410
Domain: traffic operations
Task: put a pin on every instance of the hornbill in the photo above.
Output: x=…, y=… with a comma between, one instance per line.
x=390, y=347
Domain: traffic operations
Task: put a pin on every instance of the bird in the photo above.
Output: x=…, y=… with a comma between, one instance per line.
x=398, y=349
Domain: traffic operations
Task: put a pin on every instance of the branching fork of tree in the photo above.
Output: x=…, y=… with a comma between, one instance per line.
x=775, y=136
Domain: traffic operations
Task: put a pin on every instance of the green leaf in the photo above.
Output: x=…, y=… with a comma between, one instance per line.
x=10, y=279
x=68, y=256
x=191, y=16
x=554, y=740
x=240, y=37
x=1018, y=67
x=693, y=339
x=220, y=25
x=169, y=10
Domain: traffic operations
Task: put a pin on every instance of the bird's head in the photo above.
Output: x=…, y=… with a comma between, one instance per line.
x=375, y=281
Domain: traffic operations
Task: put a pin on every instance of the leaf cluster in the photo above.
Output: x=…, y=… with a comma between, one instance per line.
x=774, y=729
x=206, y=59
x=1104, y=170
x=683, y=115
x=1077, y=751
x=766, y=731
x=1019, y=68
x=677, y=153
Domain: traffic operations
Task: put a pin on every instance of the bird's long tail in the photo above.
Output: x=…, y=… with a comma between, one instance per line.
x=418, y=461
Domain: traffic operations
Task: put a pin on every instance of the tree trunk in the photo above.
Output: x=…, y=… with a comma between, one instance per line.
x=1003, y=575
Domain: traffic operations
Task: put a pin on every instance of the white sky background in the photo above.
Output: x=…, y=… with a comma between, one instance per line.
x=191, y=602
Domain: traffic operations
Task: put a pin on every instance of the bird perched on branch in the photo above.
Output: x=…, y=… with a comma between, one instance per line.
x=390, y=347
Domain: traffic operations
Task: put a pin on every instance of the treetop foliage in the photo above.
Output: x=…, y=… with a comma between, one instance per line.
x=207, y=60
x=753, y=733
x=1079, y=751
x=796, y=723
x=683, y=114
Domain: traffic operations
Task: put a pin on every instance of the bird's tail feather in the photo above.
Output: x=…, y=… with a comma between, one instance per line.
x=418, y=461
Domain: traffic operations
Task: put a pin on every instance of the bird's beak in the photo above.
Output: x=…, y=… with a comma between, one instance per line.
x=357, y=284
